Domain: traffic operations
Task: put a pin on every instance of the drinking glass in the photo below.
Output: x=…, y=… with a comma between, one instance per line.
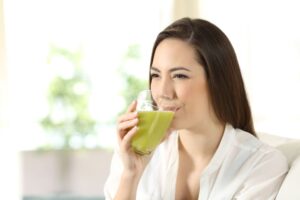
x=153, y=124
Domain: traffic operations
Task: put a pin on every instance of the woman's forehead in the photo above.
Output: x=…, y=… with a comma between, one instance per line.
x=174, y=53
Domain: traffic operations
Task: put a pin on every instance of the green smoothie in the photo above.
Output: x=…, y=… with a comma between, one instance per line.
x=152, y=128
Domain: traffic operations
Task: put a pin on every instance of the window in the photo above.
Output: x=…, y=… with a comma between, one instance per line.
x=103, y=31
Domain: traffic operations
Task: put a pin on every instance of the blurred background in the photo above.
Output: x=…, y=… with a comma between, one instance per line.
x=69, y=68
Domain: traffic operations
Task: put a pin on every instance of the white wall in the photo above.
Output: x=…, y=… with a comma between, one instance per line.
x=266, y=37
x=9, y=168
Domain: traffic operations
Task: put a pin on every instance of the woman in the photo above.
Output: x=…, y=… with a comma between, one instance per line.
x=212, y=152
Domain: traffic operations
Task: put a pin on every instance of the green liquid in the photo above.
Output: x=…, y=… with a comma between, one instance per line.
x=152, y=128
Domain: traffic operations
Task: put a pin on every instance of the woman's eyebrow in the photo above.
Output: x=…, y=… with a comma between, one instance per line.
x=179, y=68
x=154, y=69
x=172, y=69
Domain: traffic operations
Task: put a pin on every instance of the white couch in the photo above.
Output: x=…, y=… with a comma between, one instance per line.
x=290, y=189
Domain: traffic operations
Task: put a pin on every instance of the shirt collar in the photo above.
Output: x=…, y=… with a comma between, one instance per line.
x=221, y=151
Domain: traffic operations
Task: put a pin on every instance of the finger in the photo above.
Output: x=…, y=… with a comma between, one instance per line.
x=127, y=116
x=132, y=107
x=127, y=138
x=126, y=125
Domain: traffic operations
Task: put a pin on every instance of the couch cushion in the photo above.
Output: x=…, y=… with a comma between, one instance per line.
x=290, y=187
x=291, y=150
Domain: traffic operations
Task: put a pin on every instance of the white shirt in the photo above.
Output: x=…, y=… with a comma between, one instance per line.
x=242, y=168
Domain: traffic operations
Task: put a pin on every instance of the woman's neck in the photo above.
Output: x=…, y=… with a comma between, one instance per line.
x=202, y=142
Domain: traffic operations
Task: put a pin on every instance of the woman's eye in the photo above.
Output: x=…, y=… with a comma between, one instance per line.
x=154, y=76
x=180, y=76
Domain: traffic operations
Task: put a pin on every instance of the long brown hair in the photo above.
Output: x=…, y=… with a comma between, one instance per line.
x=216, y=54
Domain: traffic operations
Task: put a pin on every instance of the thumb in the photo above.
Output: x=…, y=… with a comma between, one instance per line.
x=132, y=106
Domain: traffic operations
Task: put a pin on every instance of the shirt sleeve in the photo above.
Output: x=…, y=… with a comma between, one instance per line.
x=264, y=181
x=112, y=182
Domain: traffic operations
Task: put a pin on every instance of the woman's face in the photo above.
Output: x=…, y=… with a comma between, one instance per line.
x=179, y=81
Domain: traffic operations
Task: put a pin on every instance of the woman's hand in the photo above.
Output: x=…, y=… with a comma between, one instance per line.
x=134, y=164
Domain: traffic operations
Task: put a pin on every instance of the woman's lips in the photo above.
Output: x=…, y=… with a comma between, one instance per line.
x=171, y=108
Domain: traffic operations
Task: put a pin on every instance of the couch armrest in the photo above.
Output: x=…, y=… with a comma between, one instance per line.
x=290, y=186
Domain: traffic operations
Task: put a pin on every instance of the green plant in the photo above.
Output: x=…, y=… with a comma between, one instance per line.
x=132, y=84
x=68, y=99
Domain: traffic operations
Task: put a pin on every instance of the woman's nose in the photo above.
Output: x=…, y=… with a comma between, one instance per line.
x=166, y=89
